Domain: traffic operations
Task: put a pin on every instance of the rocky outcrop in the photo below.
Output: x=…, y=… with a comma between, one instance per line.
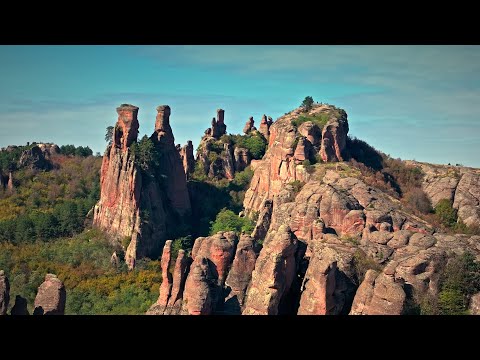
x=273, y=274
x=328, y=285
x=136, y=203
x=240, y=274
x=467, y=199
x=379, y=294
x=249, y=126
x=334, y=138
x=34, y=158
x=218, y=127
x=51, y=297
x=166, y=286
x=280, y=165
x=242, y=158
x=198, y=298
x=219, y=159
x=188, y=160
x=312, y=133
x=460, y=185
x=264, y=220
x=4, y=293
x=20, y=306
x=265, y=126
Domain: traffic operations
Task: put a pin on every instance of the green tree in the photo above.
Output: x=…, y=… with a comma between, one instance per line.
x=446, y=213
x=145, y=154
x=227, y=220
x=307, y=103
x=109, y=135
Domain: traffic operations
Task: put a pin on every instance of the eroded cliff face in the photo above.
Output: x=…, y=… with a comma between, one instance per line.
x=288, y=147
x=325, y=242
x=136, y=204
x=460, y=185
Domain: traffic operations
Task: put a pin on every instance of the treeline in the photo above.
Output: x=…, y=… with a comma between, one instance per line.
x=76, y=150
x=66, y=219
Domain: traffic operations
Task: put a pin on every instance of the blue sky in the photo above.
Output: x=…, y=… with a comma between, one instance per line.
x=413, y=102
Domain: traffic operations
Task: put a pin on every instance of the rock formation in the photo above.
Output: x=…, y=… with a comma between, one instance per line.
x=265, y=126
x=51, y=297
x=334, y=138
x=249, y=126
x=188, y=160
x=460, y=185
x=4, y=293
x=137, y=203
x=220, y=160
x=34, y=158
x=273, y=274
x=10, y=182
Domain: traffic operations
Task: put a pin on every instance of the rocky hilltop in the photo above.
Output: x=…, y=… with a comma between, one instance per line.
x=326, y=240
x=141, y=196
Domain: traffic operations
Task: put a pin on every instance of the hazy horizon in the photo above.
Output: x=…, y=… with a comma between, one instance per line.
x=413, y=102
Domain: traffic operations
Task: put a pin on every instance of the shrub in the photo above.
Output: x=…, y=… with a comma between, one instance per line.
x=145, y=154
x=446, y=213
x=309, y=168
x=243, y=178
x=320, y=120
x=297, y=186
x=227, y=220
x=362, y=263
x=307, y=103
x=418, y=200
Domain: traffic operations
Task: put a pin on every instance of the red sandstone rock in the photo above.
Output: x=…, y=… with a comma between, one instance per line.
x=273, y=274
x=51, y=297
x=166, y=286
x=240, y=273
x=265, y=127
x=197, y=297
x=126, y=129
x=188, y=160
x=334, y=138
x=249, y=126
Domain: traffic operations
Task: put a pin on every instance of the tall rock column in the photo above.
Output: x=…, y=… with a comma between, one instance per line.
x=188, y=160
x=170, y=164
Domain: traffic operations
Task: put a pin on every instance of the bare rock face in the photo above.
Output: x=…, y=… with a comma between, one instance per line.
x=264, y=221
x=218, y=126
x=312, y=133
x=249, y=126
x=279, y=165
x=170, y=164
x=273, y=274
x=4, y=293
x=242, y=158
x=303, y=150
x=240, y=274
x=379, y=294
x=467, y=199
x=188, y=160
x=265, y=127
x=334, y=138
x=198, y=294
x=51, y=297
x=166, y=286
x=171, y=295
x=34, y=158
x=20, y=306
x=128, y=193
x=475, y=304
x=318, y=295
x=458, y=184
